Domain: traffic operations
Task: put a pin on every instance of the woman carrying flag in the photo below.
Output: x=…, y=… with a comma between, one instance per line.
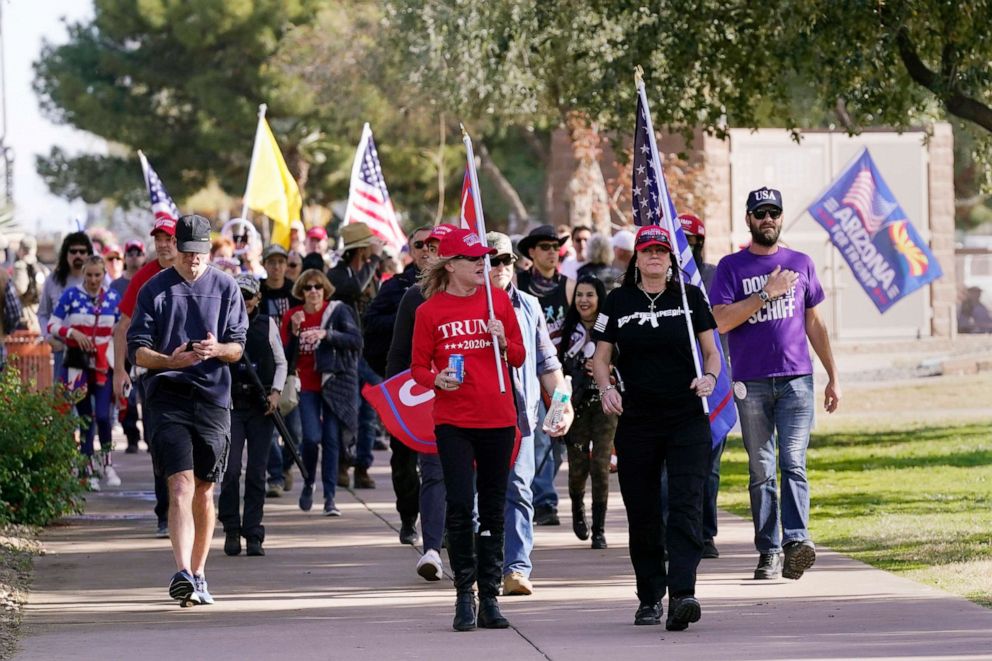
x=474, y=422
x=84, y=320
x=661, y=421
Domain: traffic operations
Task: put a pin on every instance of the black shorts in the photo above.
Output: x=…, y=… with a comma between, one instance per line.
x=188, y=434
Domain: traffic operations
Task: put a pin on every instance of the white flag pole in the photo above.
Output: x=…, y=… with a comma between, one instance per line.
x=481, y=223
x=245, y=210
x=669, y=224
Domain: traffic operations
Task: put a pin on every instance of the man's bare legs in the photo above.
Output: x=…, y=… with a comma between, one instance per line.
x=204, y=519
x=191, y=520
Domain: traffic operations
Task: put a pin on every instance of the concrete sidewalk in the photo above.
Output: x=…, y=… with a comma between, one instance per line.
x=346, y=589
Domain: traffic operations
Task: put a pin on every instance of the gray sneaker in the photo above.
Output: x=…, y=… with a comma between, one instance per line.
x=183, y=589
x=200, y=582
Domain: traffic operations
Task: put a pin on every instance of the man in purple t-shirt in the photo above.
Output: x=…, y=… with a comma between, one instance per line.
x=764, y=298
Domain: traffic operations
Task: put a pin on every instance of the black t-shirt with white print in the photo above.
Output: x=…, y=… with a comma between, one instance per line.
x=654, y=357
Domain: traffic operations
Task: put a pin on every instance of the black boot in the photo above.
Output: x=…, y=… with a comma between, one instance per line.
x=461, y=558
x=490, y=575
x=598, y=525
x=579, y=525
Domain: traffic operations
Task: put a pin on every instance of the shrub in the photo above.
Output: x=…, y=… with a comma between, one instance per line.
x=39, y=461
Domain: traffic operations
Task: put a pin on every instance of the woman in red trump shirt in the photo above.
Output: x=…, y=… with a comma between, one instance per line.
x=474, y=422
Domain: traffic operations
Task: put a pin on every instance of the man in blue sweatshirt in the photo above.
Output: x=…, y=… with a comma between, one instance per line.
x=189, y=324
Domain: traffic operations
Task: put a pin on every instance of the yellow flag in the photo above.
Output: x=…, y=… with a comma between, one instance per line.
x=271, y=188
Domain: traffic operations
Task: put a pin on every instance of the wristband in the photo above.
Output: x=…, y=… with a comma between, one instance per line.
x=710, y=374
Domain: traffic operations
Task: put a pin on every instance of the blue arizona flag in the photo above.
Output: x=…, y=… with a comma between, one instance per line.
x=653, y=205
x=869, y=228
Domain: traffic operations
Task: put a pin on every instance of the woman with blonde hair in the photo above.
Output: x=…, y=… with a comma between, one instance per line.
x=474, y=421
x=326, y=342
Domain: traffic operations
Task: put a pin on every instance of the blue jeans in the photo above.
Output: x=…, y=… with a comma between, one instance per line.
x=543, y=483
x=96, y=406
x=432, y=500
x=321, y=429
x=778, y=412
x=518, y=512
x=367, y=426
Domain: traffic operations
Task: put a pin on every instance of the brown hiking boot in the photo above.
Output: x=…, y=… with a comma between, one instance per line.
x=344, y=481
x=362, y=478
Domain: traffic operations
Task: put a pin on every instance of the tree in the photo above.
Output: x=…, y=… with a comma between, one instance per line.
x=181, y=80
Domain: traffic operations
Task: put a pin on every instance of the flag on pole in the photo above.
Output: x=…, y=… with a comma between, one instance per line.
x=407, y=410
x=467, y=211
x=271, y=188
x=866, y=223
x=368, y=199
x=162, y=205
x=653, y=205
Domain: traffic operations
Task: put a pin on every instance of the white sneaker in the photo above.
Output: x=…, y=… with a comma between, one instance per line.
x=429, y=566
x=94, y=483
x=113, y=479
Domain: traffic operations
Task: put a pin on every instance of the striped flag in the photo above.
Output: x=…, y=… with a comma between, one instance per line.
x=653, y=205
x=467, y=211
x=162, y=205
x=871, y=207
x=368, y=199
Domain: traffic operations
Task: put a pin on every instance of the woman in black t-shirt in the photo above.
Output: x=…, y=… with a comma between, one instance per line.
x=661, y=421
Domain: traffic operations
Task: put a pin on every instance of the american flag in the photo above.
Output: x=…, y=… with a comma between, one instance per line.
x=653, y=205
x=467, y=211
x=162, y=204
x=368, y=199
x=864, y=199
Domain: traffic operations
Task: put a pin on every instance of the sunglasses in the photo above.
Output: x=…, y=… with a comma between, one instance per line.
x=248, y=294
x=419, y=245
x=115, y=258
x=503, y=260
x=466, y=258
x=313, y=288
x=134, y=252
x=293, y=265
x=761, y=213
x=79, y=251
x=547, y=246
x=239, y=238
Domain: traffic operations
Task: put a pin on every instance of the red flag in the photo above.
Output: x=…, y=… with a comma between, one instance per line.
x=407, y=410
x=469, y=221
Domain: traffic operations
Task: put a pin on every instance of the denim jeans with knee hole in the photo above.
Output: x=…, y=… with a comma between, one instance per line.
x=776, y=417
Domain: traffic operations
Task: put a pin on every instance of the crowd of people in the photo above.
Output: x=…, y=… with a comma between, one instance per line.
x=226, y=346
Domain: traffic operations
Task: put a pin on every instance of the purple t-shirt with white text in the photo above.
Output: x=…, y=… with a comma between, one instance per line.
x=772, y=342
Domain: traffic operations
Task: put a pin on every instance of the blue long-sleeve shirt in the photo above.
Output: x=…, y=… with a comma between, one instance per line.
x=171, y=312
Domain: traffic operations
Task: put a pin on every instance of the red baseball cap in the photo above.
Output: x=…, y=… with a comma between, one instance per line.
x=692, y=225
x=438, y=232
x=112, y=249
x=134, y=245
x=651, y=235
x=318, y=233
x=164, y=224
x=463, y=243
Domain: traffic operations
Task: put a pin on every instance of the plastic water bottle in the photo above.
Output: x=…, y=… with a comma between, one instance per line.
x=557, y=409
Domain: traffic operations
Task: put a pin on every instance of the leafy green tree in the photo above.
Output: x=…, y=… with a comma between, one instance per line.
x=179, y=79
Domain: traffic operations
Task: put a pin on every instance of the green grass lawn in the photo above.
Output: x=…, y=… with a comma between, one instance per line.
x=916, y=502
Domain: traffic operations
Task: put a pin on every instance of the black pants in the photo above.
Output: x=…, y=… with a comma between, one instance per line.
x=161, y=486
x=254, y=429
x=406, y=480
x=490, y=451
x=644, y=443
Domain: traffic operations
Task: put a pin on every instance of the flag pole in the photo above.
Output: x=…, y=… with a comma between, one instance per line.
x=245, y=210
x=667, y=214
x=481, y=222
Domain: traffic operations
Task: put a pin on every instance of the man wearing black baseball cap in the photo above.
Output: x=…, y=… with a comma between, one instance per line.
x=765, y=298
x=189, y=324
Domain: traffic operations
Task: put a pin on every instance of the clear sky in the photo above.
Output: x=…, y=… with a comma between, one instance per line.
x=26, y=23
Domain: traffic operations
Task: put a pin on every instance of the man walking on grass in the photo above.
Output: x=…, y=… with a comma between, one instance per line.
x=764, y=298
x=189, y=324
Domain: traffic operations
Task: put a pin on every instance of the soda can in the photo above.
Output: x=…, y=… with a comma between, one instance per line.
x=456, y=362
